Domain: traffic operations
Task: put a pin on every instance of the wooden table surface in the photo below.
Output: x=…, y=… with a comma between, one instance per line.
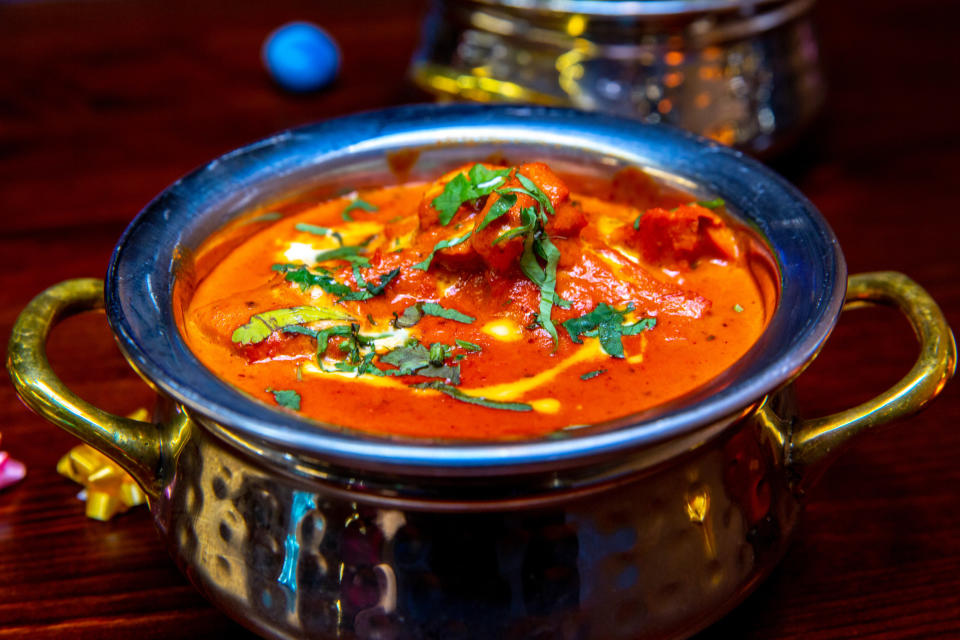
x=104, y=103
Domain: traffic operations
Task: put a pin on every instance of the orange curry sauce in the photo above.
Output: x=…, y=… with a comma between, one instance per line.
x=662, y=294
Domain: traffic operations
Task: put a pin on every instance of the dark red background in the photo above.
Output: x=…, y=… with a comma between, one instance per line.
x=104, y=103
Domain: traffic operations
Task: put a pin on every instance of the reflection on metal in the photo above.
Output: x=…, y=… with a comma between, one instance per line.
x=744, y=74
x=697, y=503
x=302, y=503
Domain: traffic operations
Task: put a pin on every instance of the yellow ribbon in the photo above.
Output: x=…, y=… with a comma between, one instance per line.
x=108, y=489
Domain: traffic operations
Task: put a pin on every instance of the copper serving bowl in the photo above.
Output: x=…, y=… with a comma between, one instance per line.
x=649, y=526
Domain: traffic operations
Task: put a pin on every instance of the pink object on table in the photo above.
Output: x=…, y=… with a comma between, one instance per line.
x=11, y=471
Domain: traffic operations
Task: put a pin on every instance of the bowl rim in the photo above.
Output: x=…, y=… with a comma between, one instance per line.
x=141, y=275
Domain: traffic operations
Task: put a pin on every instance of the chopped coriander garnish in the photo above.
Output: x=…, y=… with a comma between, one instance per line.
x=286, y=398
x=528, y=222
x=469, y=346
x=263, y=324
x=265, y=217
x=409, y=357
x=435, y=309
x=319, y=231
x=536, y=193
x=548, y=286
x=636, y=223
x=415, y=312
x=370, y=290
x=366, y=364
x=415, y=359
x=592, y=374
x=456, y=394
x=438, y=353
x=716, y=203
x=302, y=276
x=738, y=308
x=606, y=323
x=410, y=316
x=443, y=244
x=486, y=180
x=349, y=253
x=460, y=189
x=357, y=203
x=503, y=204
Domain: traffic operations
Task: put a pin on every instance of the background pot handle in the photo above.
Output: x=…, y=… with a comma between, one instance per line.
x=133, y=444
x=814, y=442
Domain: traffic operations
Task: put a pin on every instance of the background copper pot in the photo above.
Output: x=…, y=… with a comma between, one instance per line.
x=649, y=526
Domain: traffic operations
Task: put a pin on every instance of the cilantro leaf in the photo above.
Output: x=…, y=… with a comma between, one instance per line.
x=455, y=193
x=503, y=204
x=286, y=398
x=370, y=290
x=457, y=394
x=263, y=324
x=300, y=275
x=408, y=358
x=319, y=231
x=460, y=189
x=366, y=364
x=606, y=324
x=349, y=253
x=485, y=180
x=410, y=316
x=357, y=203
x=528, y=222
x=636, y=223
x=638, y=327
x=592, y=374
x=609, y=335
x=716, y=203
x=548, y=286
x=438, y=353
x=536, y=193
x=469, y=346
x=435, y=309
x=414, y=359
x=265, y=217
x=443, y=244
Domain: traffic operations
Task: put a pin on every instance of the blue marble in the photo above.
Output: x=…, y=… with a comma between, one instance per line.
x=301, y=56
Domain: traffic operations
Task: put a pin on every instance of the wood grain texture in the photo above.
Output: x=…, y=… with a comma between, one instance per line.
x=103, y=104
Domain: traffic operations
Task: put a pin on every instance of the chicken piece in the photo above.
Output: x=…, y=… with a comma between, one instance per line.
x=683, y=235
x=502, y=255
x=605, y=275
x=428, y=215
x=566, y=220
x=541, y=175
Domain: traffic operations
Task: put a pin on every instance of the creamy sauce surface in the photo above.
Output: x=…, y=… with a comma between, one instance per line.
x=372, y=311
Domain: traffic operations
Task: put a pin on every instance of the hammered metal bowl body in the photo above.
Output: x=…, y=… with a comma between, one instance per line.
x=658, y=553
x=648, y=526
x=745, y=73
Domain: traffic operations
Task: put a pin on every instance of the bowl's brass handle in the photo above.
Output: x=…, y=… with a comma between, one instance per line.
x=814, y=442
x=133, y=444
